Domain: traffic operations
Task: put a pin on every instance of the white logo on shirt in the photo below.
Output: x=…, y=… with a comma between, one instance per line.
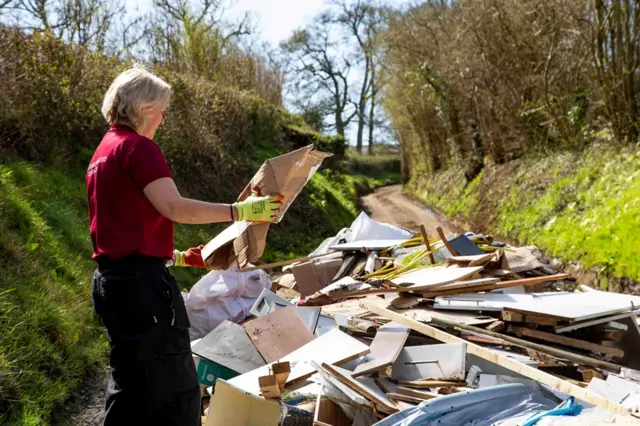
x=93, y=167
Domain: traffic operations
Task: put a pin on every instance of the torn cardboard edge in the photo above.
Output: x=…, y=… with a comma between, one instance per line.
x=244, y=242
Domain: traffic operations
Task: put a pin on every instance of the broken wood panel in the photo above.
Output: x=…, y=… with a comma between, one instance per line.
x=365, y=386
x=630, y=342
x=333, y=347
x=328, y=413
x=512, y=316
x=566, y=341
x=427, y=278
x=430, y=362
x=508, y=363
x=385, y=348
x=278, y=334
x=230, y=346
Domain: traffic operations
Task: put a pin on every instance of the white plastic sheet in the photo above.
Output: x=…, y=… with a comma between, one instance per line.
x=223, y=295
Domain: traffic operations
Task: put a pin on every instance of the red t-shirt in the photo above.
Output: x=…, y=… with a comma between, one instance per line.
x=122, y=220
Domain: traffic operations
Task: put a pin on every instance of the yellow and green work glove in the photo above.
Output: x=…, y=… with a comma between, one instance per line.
x=191, y=257
x=259, y=209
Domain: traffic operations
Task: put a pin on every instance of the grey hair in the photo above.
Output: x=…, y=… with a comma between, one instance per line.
x=133, y=92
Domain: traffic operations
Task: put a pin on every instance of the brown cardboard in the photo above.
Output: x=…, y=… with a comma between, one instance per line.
x=244, y=242
x=315, y=275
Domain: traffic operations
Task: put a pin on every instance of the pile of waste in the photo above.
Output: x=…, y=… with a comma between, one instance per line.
x=384, y=326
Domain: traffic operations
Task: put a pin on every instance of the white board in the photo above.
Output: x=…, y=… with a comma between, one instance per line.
x=481, y=302
x=368, y=244
x=428, y=278
x=331, y=348
x=574, y=306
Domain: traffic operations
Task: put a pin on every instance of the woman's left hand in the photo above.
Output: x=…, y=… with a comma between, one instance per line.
x=191, y=257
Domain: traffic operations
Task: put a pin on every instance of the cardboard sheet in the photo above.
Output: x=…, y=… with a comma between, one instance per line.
x=244, y=242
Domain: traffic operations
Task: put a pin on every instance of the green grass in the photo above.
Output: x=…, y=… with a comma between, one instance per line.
x=49, y=336
x=578, y=206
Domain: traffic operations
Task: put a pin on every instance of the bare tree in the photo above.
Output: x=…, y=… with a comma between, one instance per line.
x=316, y=66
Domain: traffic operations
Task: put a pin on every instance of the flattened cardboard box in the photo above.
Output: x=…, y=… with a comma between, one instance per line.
x=315, y=275
x=244, y=242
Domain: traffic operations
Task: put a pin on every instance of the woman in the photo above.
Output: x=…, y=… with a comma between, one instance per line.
x=133, y=202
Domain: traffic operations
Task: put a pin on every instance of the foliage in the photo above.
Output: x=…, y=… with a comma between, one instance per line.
x=575, y=205
x=479, y=81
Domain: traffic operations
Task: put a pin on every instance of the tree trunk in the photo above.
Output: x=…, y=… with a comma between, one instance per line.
x=362, y=103
x=372, y=107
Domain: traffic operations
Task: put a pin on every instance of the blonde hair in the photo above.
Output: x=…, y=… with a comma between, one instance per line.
x=132, y=93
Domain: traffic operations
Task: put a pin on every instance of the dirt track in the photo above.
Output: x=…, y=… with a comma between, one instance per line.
x=389, y=205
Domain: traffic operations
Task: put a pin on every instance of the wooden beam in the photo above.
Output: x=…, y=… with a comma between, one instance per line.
x=416, y=393
x=496, y=286
x=428, y=384
x=446, y=242
x=566, y=341
x=511, y=364
x=425, y=236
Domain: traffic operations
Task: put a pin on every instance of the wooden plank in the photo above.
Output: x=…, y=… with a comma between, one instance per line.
x=525, y=370
x=468, y=283
x=566, y=341
x=425, y=237
x=278, y=334
x=582, y=324
x=427, y=278
x=404, y=398
x=230, y=346
x=512, y=316
x=385, y=348
x=281, y=370
x=365, y=387
x=497, y=286
x=333, y=347
x=430, y=362
x=248, y=410
x=328, y=413
x=445, y=241
x=589, y=373
x=416, y=393
x=429, y=384
x=559, y=353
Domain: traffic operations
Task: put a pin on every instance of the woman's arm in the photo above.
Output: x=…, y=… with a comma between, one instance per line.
x=166, y=198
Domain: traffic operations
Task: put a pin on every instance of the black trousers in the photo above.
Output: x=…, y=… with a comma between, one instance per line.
x=153, y=378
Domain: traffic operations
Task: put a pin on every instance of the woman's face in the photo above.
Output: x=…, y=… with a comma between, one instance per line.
x=154, y=118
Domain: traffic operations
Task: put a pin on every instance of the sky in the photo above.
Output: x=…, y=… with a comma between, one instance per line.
x=276, y=18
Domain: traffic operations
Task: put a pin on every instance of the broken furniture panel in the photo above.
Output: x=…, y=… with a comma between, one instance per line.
x=385, y=348
x=431, y=362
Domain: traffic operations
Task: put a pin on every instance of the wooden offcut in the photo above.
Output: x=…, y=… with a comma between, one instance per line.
x=511, y=364
x=416, y=393
x=269, y=387
x=404, y=398
x=566, y=341
x=385, y=348
x=429, y=384
x=445, y=241
x=427, y=244
x=281, y=370
x=278, y=334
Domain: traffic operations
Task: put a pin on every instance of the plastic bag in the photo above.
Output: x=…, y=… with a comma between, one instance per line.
x=365, y=228
x=223, y=295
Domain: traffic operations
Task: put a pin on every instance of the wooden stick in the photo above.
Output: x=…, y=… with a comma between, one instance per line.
x=425, y=237
x=446, y=242
x=496, y=358
x=566, y=341
x=500, y=285
x=428, y=384
x=286, y=262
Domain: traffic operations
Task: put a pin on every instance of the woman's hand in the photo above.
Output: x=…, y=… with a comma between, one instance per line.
x=259, y=209
x=191, y=257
